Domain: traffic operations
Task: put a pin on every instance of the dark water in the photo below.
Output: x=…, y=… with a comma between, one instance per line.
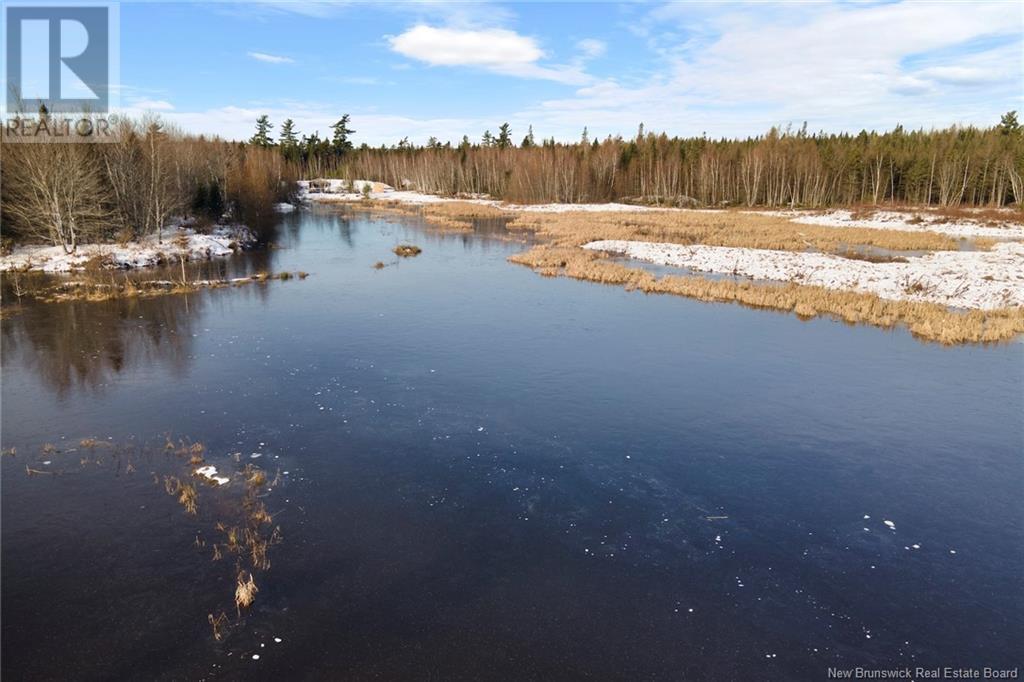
x=496, y=475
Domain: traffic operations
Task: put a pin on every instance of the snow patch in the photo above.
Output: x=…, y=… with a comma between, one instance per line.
x=178, y=241
x=905, y=222
x=965, y=279
x=210, y=472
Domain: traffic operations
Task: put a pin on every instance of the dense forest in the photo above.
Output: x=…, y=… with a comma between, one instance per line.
x=950, y=167
x=67, y=194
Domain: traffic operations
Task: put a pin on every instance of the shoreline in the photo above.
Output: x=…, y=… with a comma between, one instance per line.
x=180, y=241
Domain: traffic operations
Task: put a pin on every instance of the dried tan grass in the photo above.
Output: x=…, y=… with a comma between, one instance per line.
x=407, y=250
x=928, y=321
x=245, y=592
x=217, y=624
x=188, y=496
x=721, y=228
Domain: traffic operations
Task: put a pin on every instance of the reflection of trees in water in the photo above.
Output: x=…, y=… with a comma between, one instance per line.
x=81, y=344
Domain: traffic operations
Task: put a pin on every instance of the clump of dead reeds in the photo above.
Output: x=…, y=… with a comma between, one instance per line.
x=188, y=496
x=245, y=592
x=407, y=250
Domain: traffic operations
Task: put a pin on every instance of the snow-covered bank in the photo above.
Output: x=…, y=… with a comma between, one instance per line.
x=342, y=191
x=966, y=279
x=339, y=191
x=915, y=221
x=177, y=242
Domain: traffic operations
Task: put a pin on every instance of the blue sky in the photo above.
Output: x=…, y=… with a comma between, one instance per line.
x=418, y=69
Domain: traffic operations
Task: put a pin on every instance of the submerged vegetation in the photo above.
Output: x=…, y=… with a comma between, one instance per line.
x=236, y=514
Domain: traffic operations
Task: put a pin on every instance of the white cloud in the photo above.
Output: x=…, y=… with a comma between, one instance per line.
x=455, y=47
x=732, y=70
x=152, y=105
x=957, y=75
x=738, y=71
x=270, y=58
x=494, y=49
x=591, y=47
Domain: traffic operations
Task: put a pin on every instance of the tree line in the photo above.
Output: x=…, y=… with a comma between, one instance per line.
x=954, y=166
x=130, y=188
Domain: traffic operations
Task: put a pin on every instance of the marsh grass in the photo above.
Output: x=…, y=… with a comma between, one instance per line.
x=407, y=250
x=245, y=592
x=722, y=228
x=928, y=321
x=218, y=623
x=102, y=285
x=188, y=496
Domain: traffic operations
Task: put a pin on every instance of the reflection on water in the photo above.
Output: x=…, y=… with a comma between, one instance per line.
x=486, y=473
x=81, y=345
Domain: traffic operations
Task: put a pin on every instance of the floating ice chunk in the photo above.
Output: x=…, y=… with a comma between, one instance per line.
x=479, y=428
x=916, y=546
x=889, y=523
x=952, y=551
x=866, y=516
x=255, y=657
x=210, y=472
x=277, y=639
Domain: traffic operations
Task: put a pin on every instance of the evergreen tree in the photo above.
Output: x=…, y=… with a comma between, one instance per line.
x=504, y=136
x=585, y=139
x=289, y=136
x=528, y=141
x=487, y=139
x=340, y=141
x=262, y=137
x=1008, y=123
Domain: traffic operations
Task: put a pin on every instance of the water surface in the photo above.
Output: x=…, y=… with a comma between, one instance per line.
x=491, y=474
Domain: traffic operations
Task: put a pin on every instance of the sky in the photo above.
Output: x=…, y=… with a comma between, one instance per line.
x=447, y=69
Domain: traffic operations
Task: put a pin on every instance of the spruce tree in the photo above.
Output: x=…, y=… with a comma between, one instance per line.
x=340, y=141
x=289, y=136
x=263, y=127
x=504, y=136
x=528, y=141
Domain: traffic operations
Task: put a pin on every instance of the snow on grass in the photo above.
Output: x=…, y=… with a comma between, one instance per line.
x=340, y=191
x=921, y=221
x=965, y=279
x=905, y=222
x=177, y=241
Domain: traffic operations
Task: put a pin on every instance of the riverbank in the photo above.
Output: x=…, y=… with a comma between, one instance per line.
x=949, y=276
x=181, y=241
